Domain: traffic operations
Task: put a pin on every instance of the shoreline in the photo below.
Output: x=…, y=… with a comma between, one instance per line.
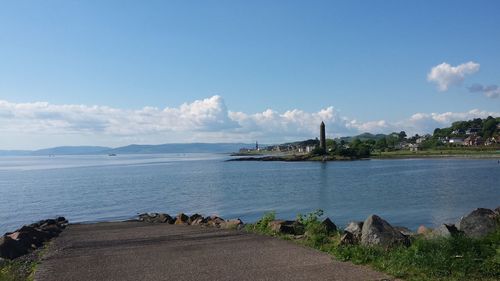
x=375, y=239
x=373, y=157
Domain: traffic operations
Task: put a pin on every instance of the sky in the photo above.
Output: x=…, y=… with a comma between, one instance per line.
x=119, y=72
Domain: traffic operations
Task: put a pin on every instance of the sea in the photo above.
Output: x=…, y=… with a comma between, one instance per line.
x=94, y=188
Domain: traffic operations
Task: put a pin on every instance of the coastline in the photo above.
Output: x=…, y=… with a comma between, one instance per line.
x=306, y=158
x=374, y=240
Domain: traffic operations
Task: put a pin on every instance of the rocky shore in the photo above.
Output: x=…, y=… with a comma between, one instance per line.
x=374, y=231
x=30, y=237
x=294, y=158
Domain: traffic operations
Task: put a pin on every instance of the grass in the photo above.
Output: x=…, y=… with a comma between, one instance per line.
x=17, y=270
x=472, y=152
x=22, y=268
x=444, y=259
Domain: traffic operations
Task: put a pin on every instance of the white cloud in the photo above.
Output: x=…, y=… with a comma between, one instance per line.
x=427, y=122
x=41, y=124
x=445, y=75
x=491, y=91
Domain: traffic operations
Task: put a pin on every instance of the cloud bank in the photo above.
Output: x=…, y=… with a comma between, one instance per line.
x=491, y=91
x=445, y=75
x=41, y=124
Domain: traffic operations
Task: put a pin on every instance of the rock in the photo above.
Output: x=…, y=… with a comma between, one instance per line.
x=355, y=228
x=378, y=232
x=193, y=218
x=156, y=218
x=329, y=225
x=423, y=230
x=11, y=249
x=404, y=230
x=61, y=220
x=199, y=221
x=286, y=227
x=31, y=237
x=214, y=221
x=497, y=212
x=478, y=223
x=232, y=224
x=444, y=230
x=181, y=219
x=348, y=239
x=52, y=230
x=165, y=218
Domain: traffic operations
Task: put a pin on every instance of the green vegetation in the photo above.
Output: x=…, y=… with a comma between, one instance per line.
x=444, y=259
x=17, y=270
x=22, y=268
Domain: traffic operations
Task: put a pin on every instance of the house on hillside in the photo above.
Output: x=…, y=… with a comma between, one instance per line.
x=414, y=147
x=421, y=140
x=472, y=131
x=492, y=141
x=457, y=141
x=473, y=141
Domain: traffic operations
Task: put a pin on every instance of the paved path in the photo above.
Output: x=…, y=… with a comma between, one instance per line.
x=140, y=252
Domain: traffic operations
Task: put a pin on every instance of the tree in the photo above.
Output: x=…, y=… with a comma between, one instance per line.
x=381, y=144
x=402, y=135
x=489, y=127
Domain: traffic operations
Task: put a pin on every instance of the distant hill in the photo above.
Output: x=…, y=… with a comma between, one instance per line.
x=132, y=149
x=364, y=137
x=180, y=148
x=71, y=150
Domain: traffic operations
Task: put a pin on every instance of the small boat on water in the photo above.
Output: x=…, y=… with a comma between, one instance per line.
x=111, y=154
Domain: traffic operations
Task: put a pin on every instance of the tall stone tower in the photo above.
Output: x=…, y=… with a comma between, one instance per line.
x=322, y=137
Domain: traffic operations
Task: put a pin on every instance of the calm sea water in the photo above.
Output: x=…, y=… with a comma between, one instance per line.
x=103, y=188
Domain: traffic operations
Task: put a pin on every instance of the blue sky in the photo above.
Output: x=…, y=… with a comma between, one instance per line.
x=367, y=63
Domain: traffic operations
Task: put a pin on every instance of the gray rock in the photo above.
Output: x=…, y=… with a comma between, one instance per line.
x=181, y=219
x=214, y=221
x=378, y=232
x=478, y=223
x=355, y=228
x=199, y=221
x=156, y=218
x=164, y=218
x=194, y=217
x=444, y=230
x=232, y=224
x=286, y=227
x=348, y=239
x=404, y=230
x=11, y=248
x=329, y=225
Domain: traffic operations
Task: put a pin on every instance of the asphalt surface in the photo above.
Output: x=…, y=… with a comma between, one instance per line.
x=138, y=251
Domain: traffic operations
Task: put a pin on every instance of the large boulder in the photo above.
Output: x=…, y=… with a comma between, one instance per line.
x=329, y=226
x=181, y=219
x=11, y=248
x=404, y=230
x=156, y=218
x=31, y=237
x=378, y=232
x=348, y=239
x=479, y=223
x=355, y=228
x=194, y=217
x=444, y=230
x=232, y=224
x=286, y=227
x=214, y=221
x=199, y=221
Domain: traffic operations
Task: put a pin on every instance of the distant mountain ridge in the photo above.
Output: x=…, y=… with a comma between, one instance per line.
x=132, y=149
